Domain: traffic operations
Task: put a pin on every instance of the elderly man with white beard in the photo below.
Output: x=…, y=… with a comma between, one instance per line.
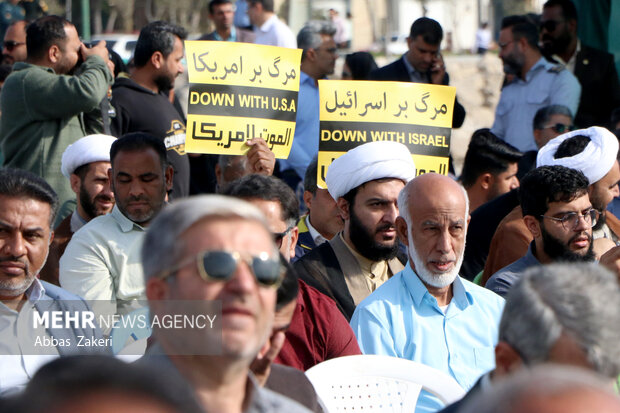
x=427, y=313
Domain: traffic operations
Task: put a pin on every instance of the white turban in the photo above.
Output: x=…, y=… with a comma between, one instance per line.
x=91, y=148
x=367, y=162
x=595, y=161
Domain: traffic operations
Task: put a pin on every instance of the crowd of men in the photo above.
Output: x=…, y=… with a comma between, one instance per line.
x=484, y=278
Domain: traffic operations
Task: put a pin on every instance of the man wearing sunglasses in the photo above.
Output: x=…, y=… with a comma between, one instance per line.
x=591, y=151
x=14, y=49
x=535, y=83
x=595, y=69
x=213, y=248
x=558, y=213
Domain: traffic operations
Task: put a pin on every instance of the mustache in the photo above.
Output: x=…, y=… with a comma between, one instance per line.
x=104, y=198
x=139, y=198
x=385, y=227
x=590, y=237
x=13, y=259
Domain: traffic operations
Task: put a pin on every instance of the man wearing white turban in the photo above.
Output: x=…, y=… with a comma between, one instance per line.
x=365, y=182
x=85, y=164
x=592, y=151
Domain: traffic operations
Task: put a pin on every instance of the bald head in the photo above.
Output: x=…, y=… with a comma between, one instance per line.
x=433, y=223
x=422, y=193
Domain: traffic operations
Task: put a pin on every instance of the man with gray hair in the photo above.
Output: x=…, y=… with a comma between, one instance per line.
x=209, y=249
x=573, y=310
x=427, y=313
x=318, y=59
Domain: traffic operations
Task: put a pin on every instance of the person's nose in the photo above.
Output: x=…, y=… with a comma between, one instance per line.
x=14, y=246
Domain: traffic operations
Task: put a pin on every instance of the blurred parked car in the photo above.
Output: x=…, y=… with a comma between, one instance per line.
x=123, y=44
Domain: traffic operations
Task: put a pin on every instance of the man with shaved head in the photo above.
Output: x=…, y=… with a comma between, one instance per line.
x=427, y=313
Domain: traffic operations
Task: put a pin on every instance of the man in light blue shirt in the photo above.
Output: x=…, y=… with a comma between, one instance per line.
x=427, y=313
x=317, y=61
x=535, y=83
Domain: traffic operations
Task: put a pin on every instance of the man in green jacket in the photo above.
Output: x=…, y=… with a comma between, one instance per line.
x=45, y=107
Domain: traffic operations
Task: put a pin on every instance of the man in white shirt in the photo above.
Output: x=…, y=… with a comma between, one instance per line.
x=102, y=260
x=28, y=206
x=269, y=29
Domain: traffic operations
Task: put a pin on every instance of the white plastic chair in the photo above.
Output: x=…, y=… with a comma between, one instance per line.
x=371, y=383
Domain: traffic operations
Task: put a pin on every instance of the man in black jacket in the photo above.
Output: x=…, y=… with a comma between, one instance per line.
x=423, y=62
x=595, y=69
x=142, y=102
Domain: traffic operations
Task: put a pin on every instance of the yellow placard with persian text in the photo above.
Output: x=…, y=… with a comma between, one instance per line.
x=240, y=91
x=356, y=112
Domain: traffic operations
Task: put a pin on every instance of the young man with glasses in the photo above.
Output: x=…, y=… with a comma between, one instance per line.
x=595, y=69
x=593, y=152
x=558, y=213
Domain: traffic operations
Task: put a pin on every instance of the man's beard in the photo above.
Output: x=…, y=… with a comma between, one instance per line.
x=364, y=241
x=512, y=66
x=89, y=205
x=558, y=251
x=164, y=83
x=557, y=45
x=429, y=278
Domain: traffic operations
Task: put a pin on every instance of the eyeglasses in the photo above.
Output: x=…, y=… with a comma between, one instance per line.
x=560, y=127
x=570, y=220
x=550, y=25
x=221, y=266
x=504, y=45
x=279, y=236
x=12, y=44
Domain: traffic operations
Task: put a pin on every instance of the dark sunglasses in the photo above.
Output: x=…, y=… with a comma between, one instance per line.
x=549, y=25
x=561, y=128
x=221, y=266
x=279, y=236
x=12, y=44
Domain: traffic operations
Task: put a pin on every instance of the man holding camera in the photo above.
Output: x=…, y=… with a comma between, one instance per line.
x=45, y=107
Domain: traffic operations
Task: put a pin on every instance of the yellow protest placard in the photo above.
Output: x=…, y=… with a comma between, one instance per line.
x=356, y=112
x=240, y=91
